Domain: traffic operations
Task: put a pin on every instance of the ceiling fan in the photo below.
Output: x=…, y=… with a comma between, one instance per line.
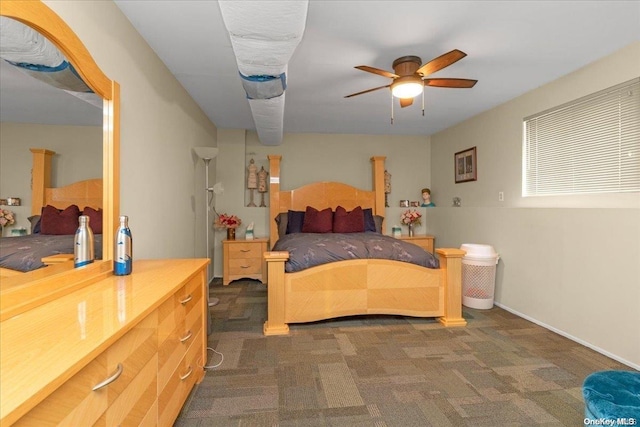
x=410, y=76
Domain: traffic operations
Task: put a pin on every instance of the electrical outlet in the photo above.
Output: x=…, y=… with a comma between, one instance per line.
x=501, y=196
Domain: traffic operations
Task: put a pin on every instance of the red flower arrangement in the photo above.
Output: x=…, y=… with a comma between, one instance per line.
x=410, y=216
x=227, y=221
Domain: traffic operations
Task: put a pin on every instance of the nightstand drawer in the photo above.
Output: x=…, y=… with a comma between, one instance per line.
x=424, y=241
x=245, y=250
x=245, y=266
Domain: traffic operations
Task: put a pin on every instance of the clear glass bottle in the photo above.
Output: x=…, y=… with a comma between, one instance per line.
x=123, y=262
x=83, y=247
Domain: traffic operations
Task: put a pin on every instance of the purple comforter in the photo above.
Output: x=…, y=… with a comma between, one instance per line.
x=310, y=249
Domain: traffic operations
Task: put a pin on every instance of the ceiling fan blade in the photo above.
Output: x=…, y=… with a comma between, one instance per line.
x=366, y=91
x=377, y=71
x=441, y=62
x=455, y=83
x=405, y=102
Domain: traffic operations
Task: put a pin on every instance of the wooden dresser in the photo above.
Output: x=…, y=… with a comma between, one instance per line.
x=243, y=259
x=120, y=351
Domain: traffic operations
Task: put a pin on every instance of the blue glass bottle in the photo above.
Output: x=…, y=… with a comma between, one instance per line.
x=123, y=262
x=83, y=244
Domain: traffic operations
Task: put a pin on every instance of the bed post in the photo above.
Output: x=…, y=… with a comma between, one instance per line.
x=451, y=263
x=378, y=186
x=275, y=324
x=274, y=197
x=40, y=177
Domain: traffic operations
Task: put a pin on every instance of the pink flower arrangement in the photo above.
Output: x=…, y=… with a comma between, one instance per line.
x=6, y=217
x=410, y=216
x=227, y=221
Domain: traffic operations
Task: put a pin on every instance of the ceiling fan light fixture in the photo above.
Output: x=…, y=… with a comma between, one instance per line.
x=407, y=87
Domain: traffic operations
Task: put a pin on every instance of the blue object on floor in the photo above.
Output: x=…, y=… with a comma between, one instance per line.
x=612, y=395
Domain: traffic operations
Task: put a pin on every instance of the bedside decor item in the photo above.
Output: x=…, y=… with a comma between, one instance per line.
x=252, y=181
x=6, y=218
x=426, y=199
x=465, y=165
x=249, y=233
x=403, y=204
x=410, y=217
x=396, y=231
x=457, y=202
x=13, y=201
x=230, y=222
x=387, y=187
x=262, y=185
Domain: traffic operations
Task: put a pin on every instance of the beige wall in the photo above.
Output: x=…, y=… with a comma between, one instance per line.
x=319, y=157
x=570, y=263
x=78, y=156
x=161, y=179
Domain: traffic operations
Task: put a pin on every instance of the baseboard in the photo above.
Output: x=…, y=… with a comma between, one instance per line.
x=572, y=338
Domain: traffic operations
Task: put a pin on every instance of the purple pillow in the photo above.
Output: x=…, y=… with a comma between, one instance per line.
x=295, y=220
x=348, y=222
x=55, y=221
x=316, y=221
x=369, y=222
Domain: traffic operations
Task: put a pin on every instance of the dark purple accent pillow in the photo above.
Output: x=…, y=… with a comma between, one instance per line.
x=295, y=219
x=348, y=222
x=95, y=219
x=369, y=222
x=55, y=221
x=316, y=221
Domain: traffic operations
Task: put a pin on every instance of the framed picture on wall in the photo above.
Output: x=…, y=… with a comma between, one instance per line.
x=466, y=165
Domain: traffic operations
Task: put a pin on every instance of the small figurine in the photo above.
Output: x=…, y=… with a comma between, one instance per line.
x=262, y=185
x=426, y=199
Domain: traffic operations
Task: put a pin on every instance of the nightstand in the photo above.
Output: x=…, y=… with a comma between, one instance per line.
x=243, y=259
x=424, y=241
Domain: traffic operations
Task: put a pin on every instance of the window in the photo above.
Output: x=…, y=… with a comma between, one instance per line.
x=591, y=145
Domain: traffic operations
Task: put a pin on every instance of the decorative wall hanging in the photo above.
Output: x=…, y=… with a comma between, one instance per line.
x=262, y=185
x=252, y=181
x=466, y=166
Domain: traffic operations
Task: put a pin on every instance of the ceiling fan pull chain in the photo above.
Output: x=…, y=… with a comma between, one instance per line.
x=391, y=108
x=423, y=98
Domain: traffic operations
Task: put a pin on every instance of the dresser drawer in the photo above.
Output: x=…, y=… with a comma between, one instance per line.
x=181, y=381
x=76, y=403
x=245, y=250
x=172, y=313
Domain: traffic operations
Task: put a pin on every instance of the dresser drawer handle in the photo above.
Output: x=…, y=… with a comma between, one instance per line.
x=186, y=300
x=186, y=337
x=245, y=266
x=185, y=376
x=245, y=250
x=111, y=379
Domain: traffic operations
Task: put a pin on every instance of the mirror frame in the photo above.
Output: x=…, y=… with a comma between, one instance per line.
x=39, y=17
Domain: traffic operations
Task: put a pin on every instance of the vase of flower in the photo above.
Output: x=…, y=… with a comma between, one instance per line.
x=410, y=229
x=231, y=234
x=410, y=217
x=228, y=222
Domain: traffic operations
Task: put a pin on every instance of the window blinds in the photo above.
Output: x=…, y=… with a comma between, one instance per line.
x=591, y=145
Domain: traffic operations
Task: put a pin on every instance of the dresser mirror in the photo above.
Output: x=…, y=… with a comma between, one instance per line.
x=38, y=16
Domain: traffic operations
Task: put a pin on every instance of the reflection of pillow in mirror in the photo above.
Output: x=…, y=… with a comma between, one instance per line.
x=95, y=219
x=55, y=221
x=35, y=224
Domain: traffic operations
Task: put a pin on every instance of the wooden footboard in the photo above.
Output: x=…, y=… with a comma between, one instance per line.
x=358, y=287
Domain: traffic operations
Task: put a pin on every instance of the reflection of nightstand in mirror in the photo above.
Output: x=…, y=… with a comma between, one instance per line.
x=424, y=241
x=244, y=259
x=57, y=259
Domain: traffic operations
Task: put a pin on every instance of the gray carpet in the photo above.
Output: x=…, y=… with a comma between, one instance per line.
x=387, y=371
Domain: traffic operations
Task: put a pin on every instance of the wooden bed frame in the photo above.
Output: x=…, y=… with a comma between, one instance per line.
x=81, y=193
x=354, y=287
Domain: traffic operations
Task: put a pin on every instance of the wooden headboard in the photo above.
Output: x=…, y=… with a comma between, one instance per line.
x=81, y=193
x=321, y=195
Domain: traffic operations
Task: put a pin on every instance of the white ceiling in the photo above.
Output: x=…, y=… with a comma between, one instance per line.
x=512, y=47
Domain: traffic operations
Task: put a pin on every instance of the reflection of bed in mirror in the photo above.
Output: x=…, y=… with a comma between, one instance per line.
x=26, y=253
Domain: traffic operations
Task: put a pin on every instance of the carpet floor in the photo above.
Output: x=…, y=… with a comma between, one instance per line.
x=386, y=371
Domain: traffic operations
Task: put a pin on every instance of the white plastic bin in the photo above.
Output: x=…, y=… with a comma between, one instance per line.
x=478, y=275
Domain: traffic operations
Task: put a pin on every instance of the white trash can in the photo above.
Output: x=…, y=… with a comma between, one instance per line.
x=478, y=275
